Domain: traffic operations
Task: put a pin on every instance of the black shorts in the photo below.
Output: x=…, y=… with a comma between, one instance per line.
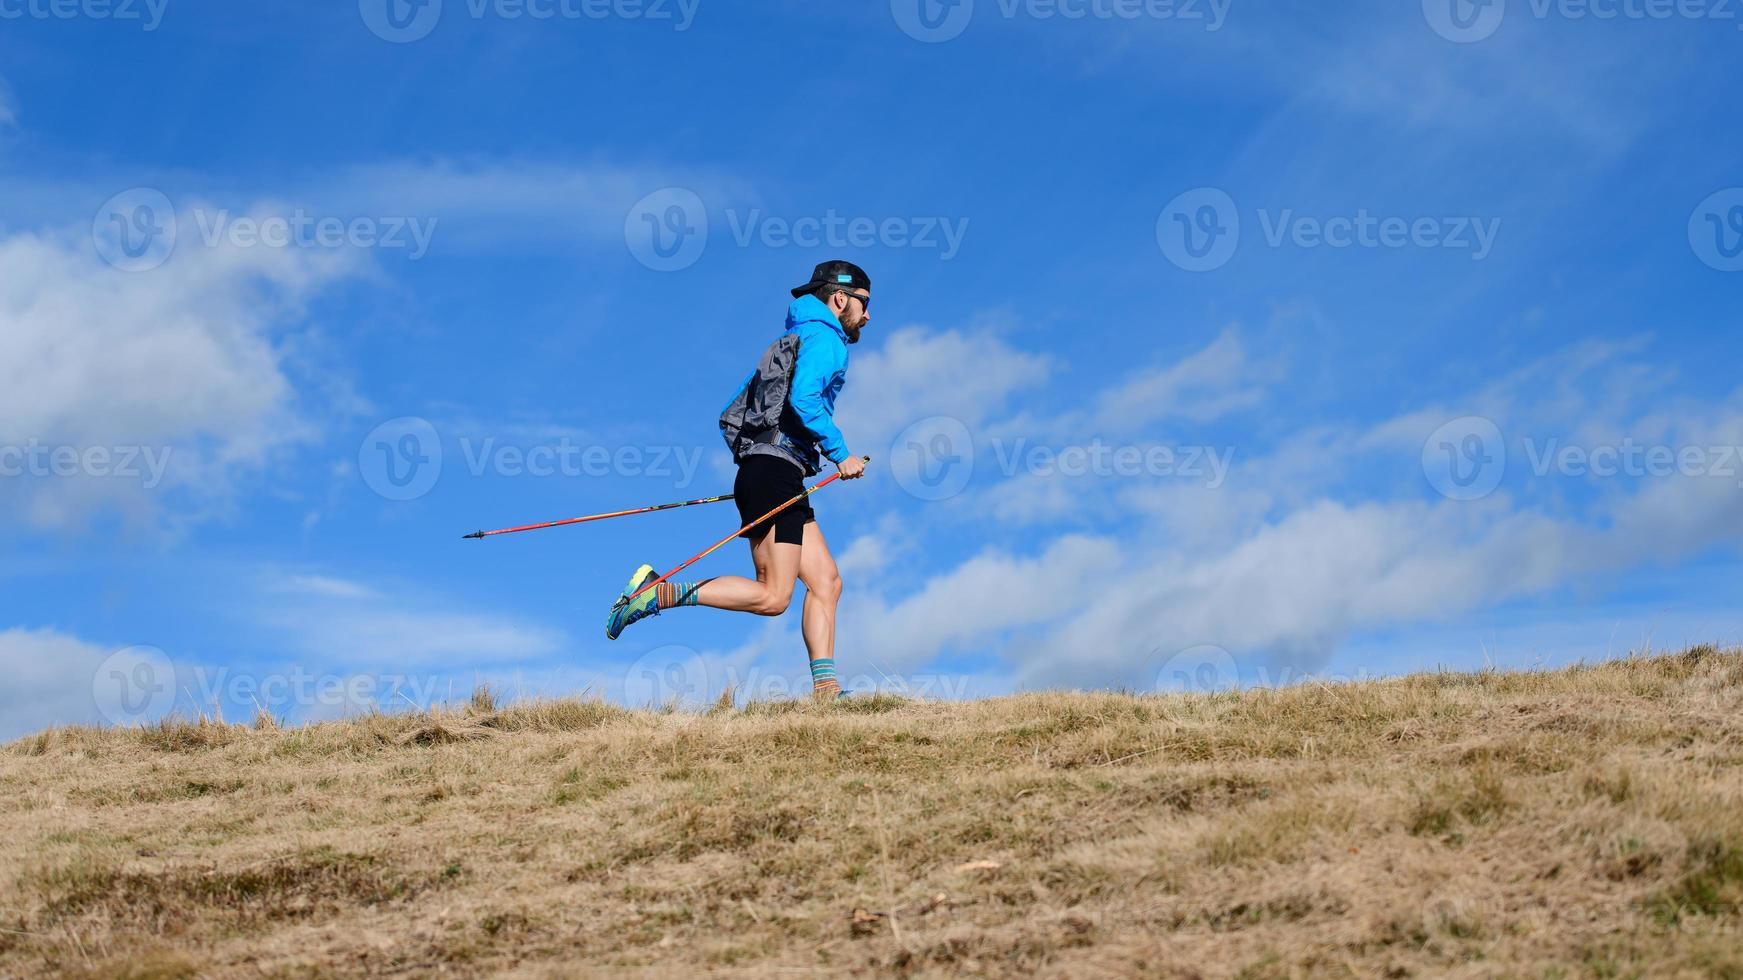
x=764, y=483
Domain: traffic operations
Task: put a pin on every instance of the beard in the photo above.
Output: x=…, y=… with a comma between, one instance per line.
x=852, y=330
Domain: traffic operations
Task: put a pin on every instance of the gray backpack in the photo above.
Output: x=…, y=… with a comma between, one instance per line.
x=751, y=423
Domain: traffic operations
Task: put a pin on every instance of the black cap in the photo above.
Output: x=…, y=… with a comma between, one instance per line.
x=835, y=272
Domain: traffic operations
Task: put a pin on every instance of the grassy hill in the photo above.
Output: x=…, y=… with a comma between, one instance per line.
x=1587, y=822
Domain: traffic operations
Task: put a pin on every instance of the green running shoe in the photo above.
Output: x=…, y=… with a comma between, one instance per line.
x=625, y=612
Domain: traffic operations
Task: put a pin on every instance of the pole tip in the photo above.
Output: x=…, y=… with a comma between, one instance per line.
x=476, y=534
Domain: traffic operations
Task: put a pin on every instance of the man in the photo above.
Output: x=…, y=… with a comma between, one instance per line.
x=780, y=425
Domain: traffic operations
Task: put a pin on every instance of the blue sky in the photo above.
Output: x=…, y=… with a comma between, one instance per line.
x=1212, y=343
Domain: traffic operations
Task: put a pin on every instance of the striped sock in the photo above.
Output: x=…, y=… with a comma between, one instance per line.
x=668, y=595
x=823, y=682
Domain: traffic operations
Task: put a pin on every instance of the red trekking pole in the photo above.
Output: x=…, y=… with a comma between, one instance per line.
x=723, y=541
x=599, y=517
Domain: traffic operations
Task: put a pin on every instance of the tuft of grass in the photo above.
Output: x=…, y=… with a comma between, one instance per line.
x=289, y=887
x=1711, y=884
x=1475, y=797
x=181, y=734
x=567, y=715
x=726, y=701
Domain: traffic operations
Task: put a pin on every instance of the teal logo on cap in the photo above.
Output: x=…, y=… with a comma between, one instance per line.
x=843, y=278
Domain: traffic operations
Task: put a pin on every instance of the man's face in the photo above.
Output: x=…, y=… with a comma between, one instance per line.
x=851, y=308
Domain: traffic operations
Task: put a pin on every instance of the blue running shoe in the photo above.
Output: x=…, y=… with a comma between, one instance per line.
x=625, y=612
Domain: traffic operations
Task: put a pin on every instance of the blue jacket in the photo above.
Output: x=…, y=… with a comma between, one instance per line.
x=819, y=375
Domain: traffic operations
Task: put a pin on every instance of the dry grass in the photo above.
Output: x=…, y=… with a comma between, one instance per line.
x=1587, y=822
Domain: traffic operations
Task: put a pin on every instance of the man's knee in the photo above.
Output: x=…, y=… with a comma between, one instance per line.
x=774, y=601
x=826, y=586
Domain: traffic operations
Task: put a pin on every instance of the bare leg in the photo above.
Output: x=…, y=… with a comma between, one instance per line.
x=822, y=593
x=770, y=593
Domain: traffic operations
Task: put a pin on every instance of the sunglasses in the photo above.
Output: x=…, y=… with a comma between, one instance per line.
x=864, y=301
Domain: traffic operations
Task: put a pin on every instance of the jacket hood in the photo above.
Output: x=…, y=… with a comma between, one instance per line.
x=810, y=309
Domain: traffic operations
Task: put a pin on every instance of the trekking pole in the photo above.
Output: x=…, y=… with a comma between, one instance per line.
x=723, y=541
x=598, y=517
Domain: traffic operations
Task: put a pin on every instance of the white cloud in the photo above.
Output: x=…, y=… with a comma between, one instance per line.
x=49, y=677
x=1215, y=381
x=1552, y=392
x=1507, y=84
x=1290, y=593
x=1031, y=498
x=491, y=203
x=342, y=622
x=424, y=637
x=326, y=647
x=177, y=367
x=1203, y=386
x=1287, y=594
x=866, y=555
x=1279, y=568
x=987, y=595
x=332, y=588
x=1535, y=80
x=55, y=678
x=916, y=373
x=193, y=358
x=468, y=204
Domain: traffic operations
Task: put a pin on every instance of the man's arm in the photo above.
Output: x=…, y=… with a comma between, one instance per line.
x=819, y=362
